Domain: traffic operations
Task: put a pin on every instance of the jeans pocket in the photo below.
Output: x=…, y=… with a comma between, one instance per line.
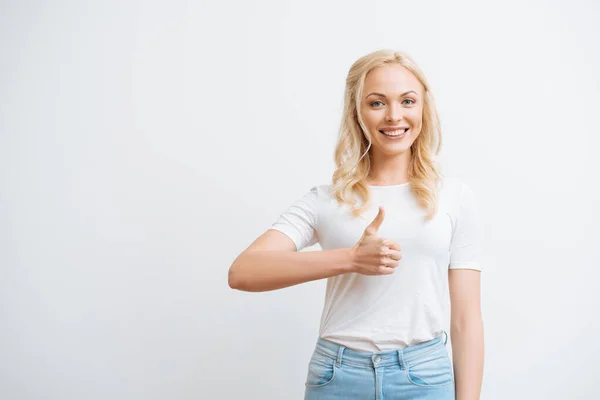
x=431, y=369
x=321, y=371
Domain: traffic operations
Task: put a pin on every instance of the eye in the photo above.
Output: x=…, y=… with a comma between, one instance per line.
x=376, y=101
x=411, y=100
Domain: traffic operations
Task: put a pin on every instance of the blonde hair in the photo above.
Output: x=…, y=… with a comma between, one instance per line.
x=354, y=140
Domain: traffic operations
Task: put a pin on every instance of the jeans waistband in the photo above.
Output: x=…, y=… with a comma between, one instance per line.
x=402, y=357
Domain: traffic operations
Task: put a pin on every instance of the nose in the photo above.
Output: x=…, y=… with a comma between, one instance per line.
x=394, y=113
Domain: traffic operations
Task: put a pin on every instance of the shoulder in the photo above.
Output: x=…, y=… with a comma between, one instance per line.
x=455, y=188
x=457, y=195
x=320, y=191
x=313, y=197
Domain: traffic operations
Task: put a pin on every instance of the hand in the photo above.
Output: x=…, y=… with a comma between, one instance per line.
x=373, y=255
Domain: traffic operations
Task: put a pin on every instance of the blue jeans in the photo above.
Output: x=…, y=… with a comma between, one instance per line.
x=422, y=371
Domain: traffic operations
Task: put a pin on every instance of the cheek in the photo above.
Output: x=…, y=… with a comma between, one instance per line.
x=371, y=120
x=367, y=120
x=417, y=118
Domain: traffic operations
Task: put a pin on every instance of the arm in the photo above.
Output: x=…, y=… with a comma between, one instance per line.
x=272, y=262
x=260, y=271
x=466, y=332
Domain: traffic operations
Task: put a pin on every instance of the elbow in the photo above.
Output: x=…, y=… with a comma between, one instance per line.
x=233, y=279
x=237, y=281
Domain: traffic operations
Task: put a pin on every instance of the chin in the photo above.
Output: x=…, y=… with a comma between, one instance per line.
x=394, y=150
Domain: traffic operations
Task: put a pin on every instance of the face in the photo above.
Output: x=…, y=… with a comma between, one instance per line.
x=392, y=101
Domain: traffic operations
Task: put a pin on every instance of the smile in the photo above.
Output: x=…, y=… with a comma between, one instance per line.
x=395, y=134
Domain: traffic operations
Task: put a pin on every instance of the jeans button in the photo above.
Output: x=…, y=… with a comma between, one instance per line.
x=376, y=359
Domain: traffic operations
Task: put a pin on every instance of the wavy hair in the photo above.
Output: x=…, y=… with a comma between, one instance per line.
x=354, y=141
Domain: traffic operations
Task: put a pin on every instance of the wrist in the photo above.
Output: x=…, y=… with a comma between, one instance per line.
x=347, y=263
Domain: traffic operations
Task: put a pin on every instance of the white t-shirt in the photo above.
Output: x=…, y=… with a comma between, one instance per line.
x=385, y=312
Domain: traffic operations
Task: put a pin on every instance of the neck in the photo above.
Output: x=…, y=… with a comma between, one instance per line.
x=386, y=170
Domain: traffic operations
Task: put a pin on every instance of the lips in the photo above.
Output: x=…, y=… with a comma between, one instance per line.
x=395, y=132
x=393, y=128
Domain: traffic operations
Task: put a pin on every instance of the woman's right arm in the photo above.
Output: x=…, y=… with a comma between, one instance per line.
x=272, y=263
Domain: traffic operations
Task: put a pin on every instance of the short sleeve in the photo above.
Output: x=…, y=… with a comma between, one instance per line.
x=466, y=241
x=299, y=221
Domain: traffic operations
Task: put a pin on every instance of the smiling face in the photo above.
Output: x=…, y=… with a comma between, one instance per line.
x=392, y=102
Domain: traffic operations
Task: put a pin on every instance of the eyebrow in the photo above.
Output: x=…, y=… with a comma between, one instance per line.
x=383, y=95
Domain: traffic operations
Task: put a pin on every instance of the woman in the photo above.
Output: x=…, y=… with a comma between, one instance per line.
x=396, y=235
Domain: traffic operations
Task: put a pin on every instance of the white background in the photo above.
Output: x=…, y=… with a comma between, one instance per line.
x=144, y=145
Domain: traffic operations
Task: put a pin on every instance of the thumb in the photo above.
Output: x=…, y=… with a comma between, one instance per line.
x=373, y=227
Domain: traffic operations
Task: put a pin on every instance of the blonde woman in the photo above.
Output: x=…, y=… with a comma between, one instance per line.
x=396, y=236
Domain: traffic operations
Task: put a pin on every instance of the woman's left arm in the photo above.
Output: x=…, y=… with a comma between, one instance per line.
x=466, y=332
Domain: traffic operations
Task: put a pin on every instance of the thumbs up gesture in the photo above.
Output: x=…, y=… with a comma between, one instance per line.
x=373, y=255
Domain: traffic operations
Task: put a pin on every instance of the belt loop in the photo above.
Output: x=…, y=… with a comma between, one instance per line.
x=446, y=339
x=401, y=358
x=339, y=357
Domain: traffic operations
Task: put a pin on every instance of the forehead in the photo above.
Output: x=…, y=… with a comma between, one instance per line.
x=391, y=79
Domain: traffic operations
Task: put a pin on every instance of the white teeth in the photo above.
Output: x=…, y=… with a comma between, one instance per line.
x=395, y=133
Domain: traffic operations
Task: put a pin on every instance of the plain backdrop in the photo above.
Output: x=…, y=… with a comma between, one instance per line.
x=145, y=144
